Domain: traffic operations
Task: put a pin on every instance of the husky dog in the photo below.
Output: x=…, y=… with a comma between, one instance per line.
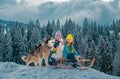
x=39, y=52
x=82, y=60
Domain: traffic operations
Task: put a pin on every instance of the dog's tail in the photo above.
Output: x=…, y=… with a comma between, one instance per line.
x=24, y=58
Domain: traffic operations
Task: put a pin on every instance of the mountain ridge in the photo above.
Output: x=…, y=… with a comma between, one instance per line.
x=10, y=23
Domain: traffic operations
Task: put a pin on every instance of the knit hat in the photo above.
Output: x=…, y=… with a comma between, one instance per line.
x=58, y=33
x=69, y=37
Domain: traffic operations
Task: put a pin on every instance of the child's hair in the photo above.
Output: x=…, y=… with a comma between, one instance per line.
x=71, y=42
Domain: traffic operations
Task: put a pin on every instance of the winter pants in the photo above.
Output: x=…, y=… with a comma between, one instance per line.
x=51, y=59
x=71, y=56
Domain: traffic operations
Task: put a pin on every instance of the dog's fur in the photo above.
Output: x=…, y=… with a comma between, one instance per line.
x=39, y=52
x=30, y=59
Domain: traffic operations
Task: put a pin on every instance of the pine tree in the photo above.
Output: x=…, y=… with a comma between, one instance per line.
x=99, y=53
x=107, y=57
x=115, y=29
x=49, y=30
x=33, y=34
x=65, y=28
x=114, y=44
x=24, y=31
x=37, y=24
x=58, y=24
x=116, y=64
x=54, y=28
x=68, y=28
x=91, y=50
x=85, y=26
x=43, y=32
x=8, y=50
x=29, y=32
x=104, y=55
x=17, y=43
x=1, y=42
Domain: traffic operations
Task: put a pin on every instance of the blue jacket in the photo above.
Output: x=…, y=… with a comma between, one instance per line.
x=66, y=51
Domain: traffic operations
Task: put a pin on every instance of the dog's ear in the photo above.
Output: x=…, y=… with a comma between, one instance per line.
x=45, y=39
x=51, y=38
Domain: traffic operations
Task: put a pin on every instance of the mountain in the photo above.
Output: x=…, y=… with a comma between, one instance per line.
x=96, y=10
x=10, y=23
x=14, y=71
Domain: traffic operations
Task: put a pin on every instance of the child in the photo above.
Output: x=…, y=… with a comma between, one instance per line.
x=69, y=51
x=57, y=50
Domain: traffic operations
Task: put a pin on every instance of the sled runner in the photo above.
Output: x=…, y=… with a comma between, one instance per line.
x=78, y=67
x=87, y=67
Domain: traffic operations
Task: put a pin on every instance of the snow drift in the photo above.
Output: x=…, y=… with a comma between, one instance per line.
x=11, y=70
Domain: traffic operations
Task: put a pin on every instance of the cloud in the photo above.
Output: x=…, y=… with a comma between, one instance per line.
x=96, y=10
x=2, y=2
x=107, y=0
x=38, y=2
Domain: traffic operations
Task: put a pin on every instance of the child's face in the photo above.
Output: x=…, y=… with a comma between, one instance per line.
x=58, y=38
x=69, y=41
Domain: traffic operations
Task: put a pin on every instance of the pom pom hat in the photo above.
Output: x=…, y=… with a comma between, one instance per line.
x=58, y=33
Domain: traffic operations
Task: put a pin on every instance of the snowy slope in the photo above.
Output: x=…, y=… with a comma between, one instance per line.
x=11, y=70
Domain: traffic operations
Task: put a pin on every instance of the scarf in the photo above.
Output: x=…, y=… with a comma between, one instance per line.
x=70, y=48
x=55, y=46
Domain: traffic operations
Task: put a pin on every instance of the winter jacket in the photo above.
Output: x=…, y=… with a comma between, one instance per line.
x=66, y=51
x=59, y=52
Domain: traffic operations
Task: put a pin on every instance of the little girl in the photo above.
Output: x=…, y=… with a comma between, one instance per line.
x=57, y=50
x=69, y=50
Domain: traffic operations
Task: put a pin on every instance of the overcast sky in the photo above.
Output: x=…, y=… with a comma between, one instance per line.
x=101, y=11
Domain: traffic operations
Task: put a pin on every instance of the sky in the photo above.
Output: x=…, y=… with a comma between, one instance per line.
x=102, y=11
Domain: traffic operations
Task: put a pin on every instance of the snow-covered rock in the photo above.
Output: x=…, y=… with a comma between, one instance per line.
x=11, y=70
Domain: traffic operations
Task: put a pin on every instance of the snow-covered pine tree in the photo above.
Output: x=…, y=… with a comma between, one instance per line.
x=17, y=43
x=77, y=40
x=29, y=33
x=99, y=53
x=43, y=32
x=91, y=50
x=24, y=31
x=113, y=43
x=104, y=55
x=85, y=26
x=66, y=28
x=49, y=29
x=83, y=46
x=8, y=50
x=69, y=27
x=2, y=33
x=37, y=24
x=58, y=25
x=118, y=24
x=116, y=64
x=54, y=27
x=115, y=29
x=33, y=34
x=107, y=57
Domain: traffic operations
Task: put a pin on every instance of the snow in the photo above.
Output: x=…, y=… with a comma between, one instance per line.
x=10, y=70
x=111, y=32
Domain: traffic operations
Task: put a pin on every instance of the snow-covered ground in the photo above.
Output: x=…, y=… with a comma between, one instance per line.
x=11, y=70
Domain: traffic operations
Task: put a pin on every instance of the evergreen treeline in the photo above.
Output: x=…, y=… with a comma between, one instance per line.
x=90, y=40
